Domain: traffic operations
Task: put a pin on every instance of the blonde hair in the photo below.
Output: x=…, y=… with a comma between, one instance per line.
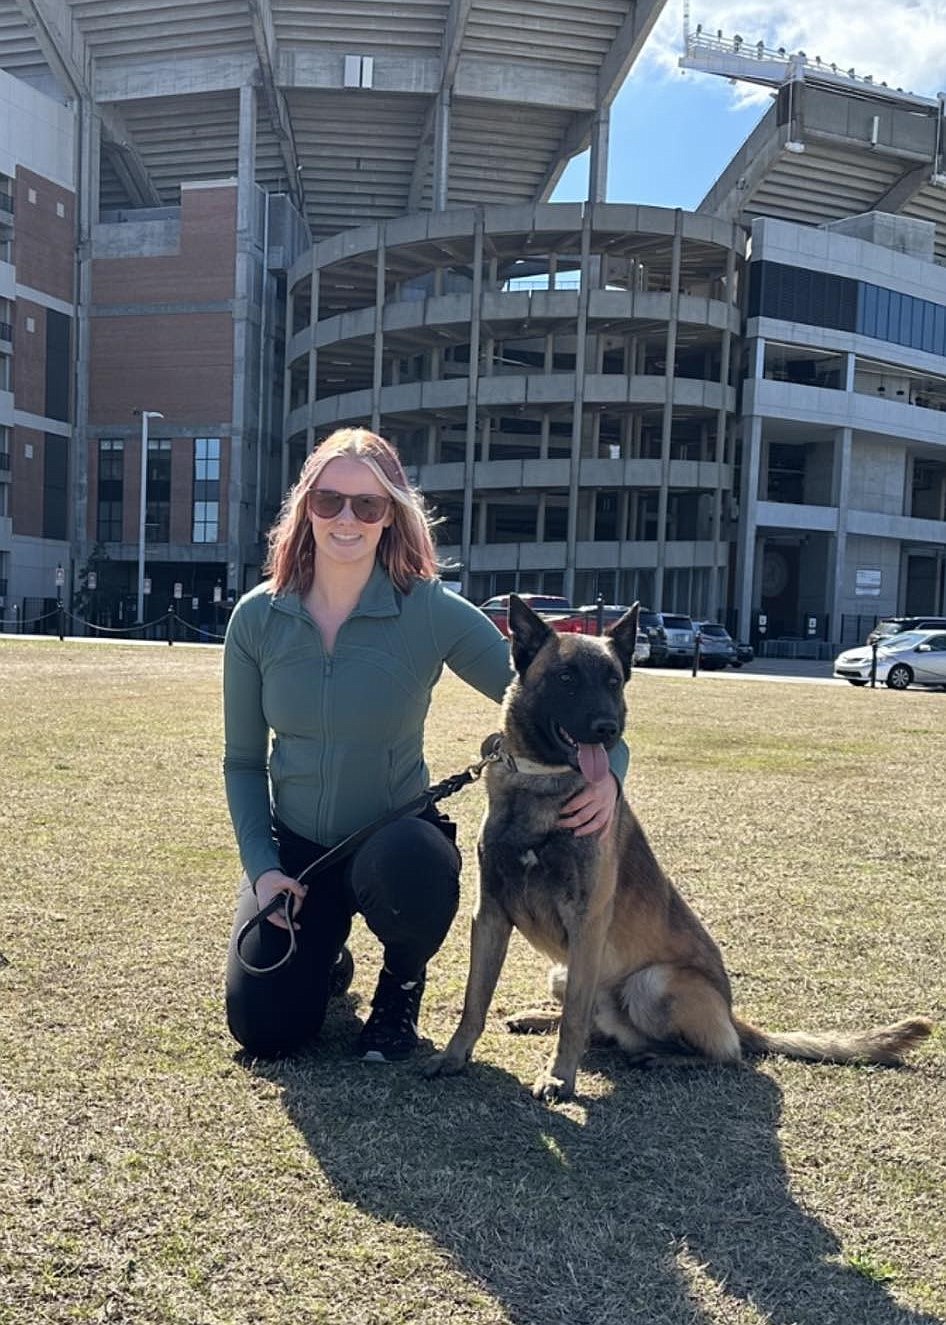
x=406, y=549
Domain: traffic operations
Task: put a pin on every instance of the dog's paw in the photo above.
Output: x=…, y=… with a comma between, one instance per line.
x=444, y=1064
x=550, y=1089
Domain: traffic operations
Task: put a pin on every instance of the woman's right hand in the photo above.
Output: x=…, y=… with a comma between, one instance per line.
x=270, y=885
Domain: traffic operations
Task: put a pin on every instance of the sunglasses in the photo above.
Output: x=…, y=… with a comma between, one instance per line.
x=365, y=506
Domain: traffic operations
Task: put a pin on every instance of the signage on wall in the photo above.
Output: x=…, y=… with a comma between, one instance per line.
x=866, y=582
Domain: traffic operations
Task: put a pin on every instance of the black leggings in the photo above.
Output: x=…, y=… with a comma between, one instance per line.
x=405, y=881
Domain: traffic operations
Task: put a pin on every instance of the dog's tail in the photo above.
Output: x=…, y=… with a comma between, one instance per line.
x=886, y=1045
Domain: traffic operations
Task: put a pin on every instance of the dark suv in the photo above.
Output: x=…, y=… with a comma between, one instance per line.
x=681, y=636
x=896, y=625
x=653, y=627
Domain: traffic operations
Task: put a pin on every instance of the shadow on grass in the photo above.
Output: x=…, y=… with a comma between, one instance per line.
x=665, y=1201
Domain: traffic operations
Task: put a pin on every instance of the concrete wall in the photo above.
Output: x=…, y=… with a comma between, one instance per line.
x=878, y=474
x=37, y=132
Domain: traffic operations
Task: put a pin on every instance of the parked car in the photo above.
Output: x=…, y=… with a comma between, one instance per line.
x=744, y=653
x=557, y=611
x=681, y=637
x=611, y=612
x=653, y=627
x=915, y=656
x=717, y=647
x=896, y=625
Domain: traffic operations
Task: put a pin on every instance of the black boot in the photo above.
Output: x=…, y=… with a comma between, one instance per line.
x=390, y=1033
x=341, y=975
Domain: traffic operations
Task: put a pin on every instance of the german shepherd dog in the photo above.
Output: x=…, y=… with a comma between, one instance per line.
x=641, y=969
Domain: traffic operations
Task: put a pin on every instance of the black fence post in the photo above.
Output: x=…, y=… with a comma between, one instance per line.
x=873, y=665
x=697, y=640
x=61, y=619
x=599, y=614
x=170, y=624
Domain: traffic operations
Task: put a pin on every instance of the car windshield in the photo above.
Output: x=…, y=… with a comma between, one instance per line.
x=677, y=622
x=904, y=640
x=717, y=632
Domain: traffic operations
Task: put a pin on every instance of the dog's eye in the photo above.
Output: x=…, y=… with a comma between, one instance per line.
x=567, y=677
x=614, y=682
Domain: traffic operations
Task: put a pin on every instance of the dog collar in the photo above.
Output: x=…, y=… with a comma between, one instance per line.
x=519, y=763
x=529, y=766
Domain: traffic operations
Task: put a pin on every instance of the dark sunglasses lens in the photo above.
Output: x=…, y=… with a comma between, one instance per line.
x=368, y=508
x=327, y=504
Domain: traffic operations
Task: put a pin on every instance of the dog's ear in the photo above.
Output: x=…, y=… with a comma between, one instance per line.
x=623, y=635
x=527, y=631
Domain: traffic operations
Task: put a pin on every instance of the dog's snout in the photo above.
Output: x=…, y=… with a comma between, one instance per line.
x=606, y=729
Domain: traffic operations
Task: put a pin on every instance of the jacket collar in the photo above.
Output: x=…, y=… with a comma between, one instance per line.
x=379, y=598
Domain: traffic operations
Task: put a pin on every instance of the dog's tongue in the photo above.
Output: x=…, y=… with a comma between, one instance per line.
x=593, y=762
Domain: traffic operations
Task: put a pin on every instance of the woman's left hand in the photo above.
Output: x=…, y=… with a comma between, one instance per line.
x=591, y=809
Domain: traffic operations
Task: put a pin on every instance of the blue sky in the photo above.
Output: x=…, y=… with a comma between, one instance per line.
x=674, y=132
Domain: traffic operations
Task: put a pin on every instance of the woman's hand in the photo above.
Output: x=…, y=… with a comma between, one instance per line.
x=591, y=810
x=269, y=885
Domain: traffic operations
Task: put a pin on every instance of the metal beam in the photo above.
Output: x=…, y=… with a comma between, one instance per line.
x=264, y=35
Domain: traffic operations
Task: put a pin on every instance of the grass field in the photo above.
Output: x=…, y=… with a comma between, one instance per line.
x=148, y=1174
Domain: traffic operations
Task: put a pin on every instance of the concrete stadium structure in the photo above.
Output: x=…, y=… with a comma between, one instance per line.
x=559, y=378
x=270, y=217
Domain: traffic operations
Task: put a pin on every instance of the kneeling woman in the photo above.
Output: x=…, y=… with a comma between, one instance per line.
x=332, y=659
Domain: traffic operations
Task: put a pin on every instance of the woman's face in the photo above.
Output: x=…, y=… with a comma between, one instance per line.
x=343, y=539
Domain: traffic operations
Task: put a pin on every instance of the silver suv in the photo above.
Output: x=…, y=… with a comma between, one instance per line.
x=896, y=625
x=681, y=637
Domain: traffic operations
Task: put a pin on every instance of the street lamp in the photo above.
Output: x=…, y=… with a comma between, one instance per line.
x=146, y=414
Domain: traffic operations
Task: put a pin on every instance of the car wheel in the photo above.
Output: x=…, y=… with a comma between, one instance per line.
x=853, y=682
x=899, y=676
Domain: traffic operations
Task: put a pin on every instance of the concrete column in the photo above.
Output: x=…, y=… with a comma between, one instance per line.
x=312, y=387
x=378, y=367
x=837, y=545
x=717, y=584
x=242, y=417
x=748, y=516
x=667, y=419
x=88, y=162
x=473, y=381
x=598, y=156
x=441, y=163
x=581, y=345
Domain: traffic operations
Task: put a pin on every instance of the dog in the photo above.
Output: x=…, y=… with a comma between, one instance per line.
x=635, y=962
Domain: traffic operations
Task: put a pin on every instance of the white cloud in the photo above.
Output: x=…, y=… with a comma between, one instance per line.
x=901, y=42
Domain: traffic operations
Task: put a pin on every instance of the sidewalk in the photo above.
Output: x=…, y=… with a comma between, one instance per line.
x=761, y=669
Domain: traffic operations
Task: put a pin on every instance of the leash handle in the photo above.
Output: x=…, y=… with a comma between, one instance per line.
x=349, y=844
x=336, y=853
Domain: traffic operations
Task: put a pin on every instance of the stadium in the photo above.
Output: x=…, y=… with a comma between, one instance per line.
x=227, y=227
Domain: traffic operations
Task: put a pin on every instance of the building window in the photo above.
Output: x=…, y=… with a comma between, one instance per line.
x=206, y=523
x=158, y=514
x=108, y=524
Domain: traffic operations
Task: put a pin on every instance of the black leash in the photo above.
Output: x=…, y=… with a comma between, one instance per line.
x=283, y=900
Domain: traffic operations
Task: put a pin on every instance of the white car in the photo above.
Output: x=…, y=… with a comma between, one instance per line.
x=916, y=656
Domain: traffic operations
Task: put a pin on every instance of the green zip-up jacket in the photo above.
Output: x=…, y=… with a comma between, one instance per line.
x=347, y=727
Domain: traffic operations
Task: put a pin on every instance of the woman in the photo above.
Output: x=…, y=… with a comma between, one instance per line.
x=336, y=655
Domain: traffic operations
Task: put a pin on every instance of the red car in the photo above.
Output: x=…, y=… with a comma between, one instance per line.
x=558, y=612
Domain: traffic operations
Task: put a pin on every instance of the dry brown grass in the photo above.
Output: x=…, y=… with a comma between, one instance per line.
x=148, y=1175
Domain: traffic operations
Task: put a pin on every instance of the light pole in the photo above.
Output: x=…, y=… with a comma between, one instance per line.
x=146, y=414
